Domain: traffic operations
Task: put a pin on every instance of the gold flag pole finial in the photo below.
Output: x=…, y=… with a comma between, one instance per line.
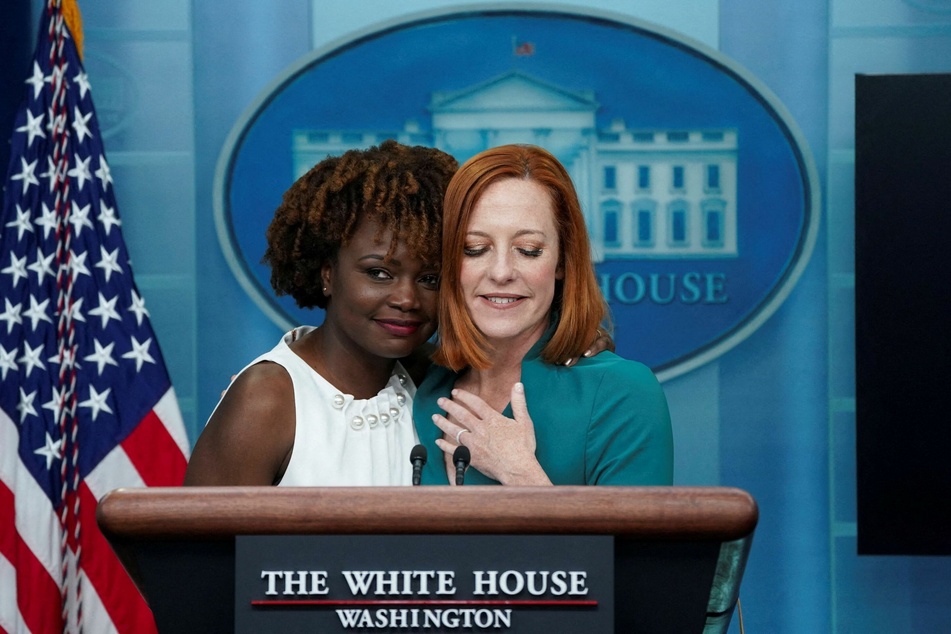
x=74, y=20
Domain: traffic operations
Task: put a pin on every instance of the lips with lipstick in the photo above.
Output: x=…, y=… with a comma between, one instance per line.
x=400, y=327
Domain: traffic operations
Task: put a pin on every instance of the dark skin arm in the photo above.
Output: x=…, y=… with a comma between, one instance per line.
x=249, y=438
x=602, y=341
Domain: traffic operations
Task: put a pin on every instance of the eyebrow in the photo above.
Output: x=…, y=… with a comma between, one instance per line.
x=518, y=234
x=376, y=257
x=380, y=258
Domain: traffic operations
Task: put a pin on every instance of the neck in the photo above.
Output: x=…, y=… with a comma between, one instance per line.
x=505, y=367
x=509, y=352
x=349, y=369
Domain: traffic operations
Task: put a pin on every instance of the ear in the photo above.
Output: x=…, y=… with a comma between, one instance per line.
x=326, y=277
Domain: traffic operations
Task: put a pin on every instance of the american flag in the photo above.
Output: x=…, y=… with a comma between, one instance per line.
x=86, y=404
x=522, y=49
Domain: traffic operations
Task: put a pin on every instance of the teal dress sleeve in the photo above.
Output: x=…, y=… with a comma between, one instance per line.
x=629, y=438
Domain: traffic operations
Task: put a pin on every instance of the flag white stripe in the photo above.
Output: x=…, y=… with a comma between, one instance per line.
x=167, y=411
x=114, y=471
x=9, y=439
x=10, y=618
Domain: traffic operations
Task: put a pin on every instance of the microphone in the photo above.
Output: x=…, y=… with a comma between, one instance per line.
x=461, y=458
x=418, y=457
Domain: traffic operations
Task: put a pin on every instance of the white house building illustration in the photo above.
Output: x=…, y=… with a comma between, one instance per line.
x=646, y=193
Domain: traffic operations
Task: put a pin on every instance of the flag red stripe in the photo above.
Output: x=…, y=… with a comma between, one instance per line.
x=155, y=454
x=7, y=528
x=38, y=596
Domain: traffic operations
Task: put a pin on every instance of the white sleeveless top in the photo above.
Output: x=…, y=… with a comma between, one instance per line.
x=343, y=441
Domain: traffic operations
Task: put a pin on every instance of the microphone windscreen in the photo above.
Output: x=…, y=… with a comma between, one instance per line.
x=418, y=453
x=461, y=454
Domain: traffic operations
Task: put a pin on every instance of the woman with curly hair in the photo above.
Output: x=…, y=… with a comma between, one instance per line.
x=358, y=236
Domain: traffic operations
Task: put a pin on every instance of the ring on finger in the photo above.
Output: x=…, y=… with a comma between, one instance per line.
x=459, y=435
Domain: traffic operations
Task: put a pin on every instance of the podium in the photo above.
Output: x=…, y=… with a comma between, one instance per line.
x=679, y=552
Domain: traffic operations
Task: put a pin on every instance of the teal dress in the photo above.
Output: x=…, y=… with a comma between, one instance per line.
x=602, y=421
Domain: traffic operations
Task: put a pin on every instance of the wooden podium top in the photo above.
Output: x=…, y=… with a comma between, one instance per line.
x=663, y=513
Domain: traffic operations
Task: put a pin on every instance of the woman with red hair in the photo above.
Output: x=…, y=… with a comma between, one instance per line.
x=518, y=298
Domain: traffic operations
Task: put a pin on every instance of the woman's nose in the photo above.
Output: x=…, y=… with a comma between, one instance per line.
x=502, y=267
x=405, y=295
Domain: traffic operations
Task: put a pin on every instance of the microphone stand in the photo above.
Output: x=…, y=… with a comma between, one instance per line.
x=418, y=457
x=461, y=458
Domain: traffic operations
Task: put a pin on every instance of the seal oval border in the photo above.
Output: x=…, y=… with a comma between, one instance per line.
x=725, y=341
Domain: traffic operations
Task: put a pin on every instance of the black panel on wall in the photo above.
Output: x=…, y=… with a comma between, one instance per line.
x=903, y=313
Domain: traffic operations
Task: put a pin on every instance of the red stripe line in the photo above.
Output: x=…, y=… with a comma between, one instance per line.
x=567, y=603
x=7, y=526
x=155, y=454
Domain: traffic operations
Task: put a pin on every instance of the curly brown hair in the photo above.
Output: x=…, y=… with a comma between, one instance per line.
x=400, y=186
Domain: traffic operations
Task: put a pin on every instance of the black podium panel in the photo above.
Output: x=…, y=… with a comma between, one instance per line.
x=661, y=587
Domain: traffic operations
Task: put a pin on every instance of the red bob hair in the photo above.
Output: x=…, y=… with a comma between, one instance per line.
x=578, y=304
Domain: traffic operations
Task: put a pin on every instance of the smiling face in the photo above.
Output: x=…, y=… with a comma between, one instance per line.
x=511, y=262
x=379, y=306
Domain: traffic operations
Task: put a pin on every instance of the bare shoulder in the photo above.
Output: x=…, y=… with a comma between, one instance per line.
x=249, y=437
x=263, y=380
